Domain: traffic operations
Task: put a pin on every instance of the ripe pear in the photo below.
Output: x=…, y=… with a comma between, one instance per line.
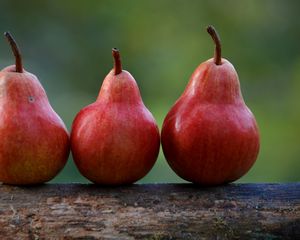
x=210, y=136
x=34, y=144
x=115, y=140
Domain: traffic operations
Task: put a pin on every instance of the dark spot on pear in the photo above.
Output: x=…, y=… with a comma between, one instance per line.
x=31, y=99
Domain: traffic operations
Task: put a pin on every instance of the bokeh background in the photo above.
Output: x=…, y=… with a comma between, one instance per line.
x=67, y=44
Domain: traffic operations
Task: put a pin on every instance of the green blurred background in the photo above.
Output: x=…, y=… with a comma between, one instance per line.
x=67, y=44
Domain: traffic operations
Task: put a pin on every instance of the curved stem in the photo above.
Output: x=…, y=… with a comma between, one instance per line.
x=117, y=59
x=214, y=35
x=16, y=51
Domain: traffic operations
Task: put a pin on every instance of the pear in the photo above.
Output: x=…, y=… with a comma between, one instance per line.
x=115, y=140
x=210, y=136
x=34, y=144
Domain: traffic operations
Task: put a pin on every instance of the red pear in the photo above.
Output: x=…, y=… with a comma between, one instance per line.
x=115, y=140
x=210, y=136
x=34, y=144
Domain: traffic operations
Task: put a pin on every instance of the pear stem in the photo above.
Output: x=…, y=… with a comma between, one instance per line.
x=117, y=59
x=214, y=35
x=16, y=51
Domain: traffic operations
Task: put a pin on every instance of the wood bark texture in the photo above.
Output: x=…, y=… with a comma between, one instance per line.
x=154, y=211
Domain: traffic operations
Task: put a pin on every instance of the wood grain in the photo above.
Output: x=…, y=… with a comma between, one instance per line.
x=155, y=211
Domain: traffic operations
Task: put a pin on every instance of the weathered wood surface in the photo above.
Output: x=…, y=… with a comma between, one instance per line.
x=157, y=211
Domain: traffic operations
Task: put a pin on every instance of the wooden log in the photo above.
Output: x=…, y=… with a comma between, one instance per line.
x=154, y=211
